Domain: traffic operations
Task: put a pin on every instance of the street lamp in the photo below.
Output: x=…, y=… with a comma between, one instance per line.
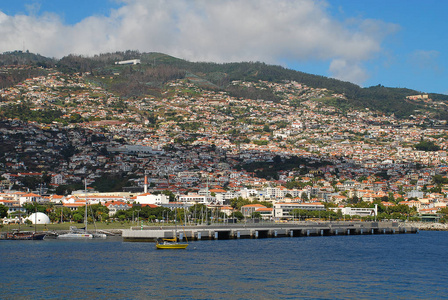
x=138, y=215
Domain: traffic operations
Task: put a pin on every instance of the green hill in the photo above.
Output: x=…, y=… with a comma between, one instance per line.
x=25, y=58
x=148, y=78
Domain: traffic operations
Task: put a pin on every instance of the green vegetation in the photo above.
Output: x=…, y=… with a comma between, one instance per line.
x=439, y=179
x=58, y=213
x=24, y=113
x=252, y=93
x=427, y=146
x=444, y=214
x=145, y=213
x=111, y=183
x=3, y=211
x=260, y=142
x=270, y=169
x=20, y=58
x=297, y=184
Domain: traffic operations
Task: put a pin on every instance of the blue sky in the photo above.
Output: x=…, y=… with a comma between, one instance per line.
x=396, y=43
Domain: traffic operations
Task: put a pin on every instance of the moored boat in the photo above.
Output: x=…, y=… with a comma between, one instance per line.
x=170, y=244
x=76, y=233
x=22, y=235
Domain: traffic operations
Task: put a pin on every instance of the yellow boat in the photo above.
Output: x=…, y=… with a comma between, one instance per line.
x=170, y=244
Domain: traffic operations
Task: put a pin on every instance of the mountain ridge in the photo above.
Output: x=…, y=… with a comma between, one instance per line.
x=158, y=68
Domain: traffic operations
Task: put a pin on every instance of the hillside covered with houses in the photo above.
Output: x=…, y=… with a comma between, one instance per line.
x=276, y=149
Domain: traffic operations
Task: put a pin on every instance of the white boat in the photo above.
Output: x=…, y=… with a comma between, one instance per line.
x=97, y=235
x=76, y=233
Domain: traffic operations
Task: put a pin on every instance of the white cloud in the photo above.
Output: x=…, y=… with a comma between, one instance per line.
x=221, y=30
x=348, y=71
x=425, y=60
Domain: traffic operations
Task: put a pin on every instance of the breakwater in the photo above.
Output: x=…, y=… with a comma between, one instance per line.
x=430, y=226
x=270, y=230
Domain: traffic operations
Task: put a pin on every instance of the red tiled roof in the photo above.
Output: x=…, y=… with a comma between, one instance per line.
x=253, y=205
x=264, y=209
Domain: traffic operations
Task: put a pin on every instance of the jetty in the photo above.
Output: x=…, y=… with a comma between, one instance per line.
x=268, y=230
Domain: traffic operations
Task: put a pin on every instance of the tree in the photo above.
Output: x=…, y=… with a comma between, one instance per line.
x=67, y=189
x=111, y=183
x=77, y=217
x=300, y=213
x=239, y=215
x=31, y=182
x=427, y=146
x=439, y=179
x=444, y=213
x=277, y=159
x=256, y=215
x=353, y=200
x=33, y=207
x=98, y=211
x=236, y=203
x=339, y=215
x=75, y=118
x=60, y=213
x=3, y=211
x=304, y=196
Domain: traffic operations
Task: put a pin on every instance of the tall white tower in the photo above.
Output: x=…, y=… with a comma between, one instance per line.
x=146, y=185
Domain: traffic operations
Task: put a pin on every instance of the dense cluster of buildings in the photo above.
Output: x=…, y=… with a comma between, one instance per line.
x=192, y=142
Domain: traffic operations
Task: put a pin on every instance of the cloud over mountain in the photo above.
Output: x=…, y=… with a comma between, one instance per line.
x=219, y=31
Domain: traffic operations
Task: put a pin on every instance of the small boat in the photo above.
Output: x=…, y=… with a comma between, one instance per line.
x=170, y=244
x=22, y=235
x=97, y=235
x=76, y=233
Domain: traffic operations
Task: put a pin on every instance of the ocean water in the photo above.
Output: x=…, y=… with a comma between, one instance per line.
x=401, y=266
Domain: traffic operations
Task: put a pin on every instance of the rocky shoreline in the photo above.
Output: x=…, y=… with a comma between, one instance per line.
x=429, y=226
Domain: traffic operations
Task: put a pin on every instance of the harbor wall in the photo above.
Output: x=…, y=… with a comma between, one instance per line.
x=273, y=230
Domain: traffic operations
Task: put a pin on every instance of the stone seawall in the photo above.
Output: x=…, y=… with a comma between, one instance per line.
x=429, y=226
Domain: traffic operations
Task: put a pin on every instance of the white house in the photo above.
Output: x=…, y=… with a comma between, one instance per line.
x=148, y=198
x=354, y=211
x=128, y=62
x=197, y=199
x=283, y=210
x=58, y=179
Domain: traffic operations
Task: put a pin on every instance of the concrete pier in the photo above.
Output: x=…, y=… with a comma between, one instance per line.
x=269, y=230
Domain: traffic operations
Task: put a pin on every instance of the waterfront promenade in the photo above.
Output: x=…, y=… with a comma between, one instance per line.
x=270, y=230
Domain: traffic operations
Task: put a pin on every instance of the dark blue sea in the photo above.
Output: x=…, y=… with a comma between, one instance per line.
x=401, y=266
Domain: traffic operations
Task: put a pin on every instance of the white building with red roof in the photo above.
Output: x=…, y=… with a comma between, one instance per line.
x=115, y=206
